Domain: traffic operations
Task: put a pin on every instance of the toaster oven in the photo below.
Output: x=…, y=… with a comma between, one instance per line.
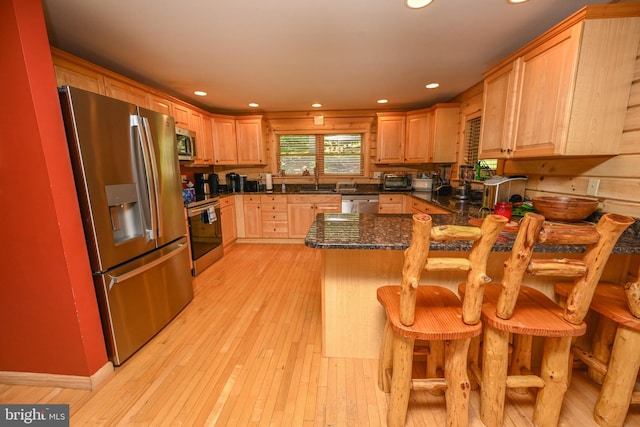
x=396, y=182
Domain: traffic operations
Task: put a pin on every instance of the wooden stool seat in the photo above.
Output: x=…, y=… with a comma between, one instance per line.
x=537, y=315
x=614, y=356
x=609, y=300
x=438, y=315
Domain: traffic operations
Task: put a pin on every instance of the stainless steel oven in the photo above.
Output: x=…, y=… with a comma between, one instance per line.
x=205, y=233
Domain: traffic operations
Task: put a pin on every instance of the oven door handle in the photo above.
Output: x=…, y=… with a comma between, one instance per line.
x=195, y=211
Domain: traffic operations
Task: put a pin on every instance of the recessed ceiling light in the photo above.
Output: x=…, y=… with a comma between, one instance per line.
x=200, y=93
x=316, y=105
x=417, y=4
x=432, y=85
x=254, y=104
x=516, y=1
x=382, y=101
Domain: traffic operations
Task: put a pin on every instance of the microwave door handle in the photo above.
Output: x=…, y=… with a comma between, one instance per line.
x=154, y=172
x=151, y=220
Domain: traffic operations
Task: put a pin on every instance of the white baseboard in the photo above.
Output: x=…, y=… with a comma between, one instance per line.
x=57, y=380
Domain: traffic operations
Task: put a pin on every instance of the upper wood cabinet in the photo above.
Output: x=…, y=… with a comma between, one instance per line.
x=391, y=137
x=565, y=93
x=161, y=105
x=125, y=92
x=249, y=140
x=224, y=141
x=71, y=74
x=204, y=142
x=421, y=136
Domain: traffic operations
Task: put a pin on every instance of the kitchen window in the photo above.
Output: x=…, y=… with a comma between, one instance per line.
x=332, y=154
x=472, y=142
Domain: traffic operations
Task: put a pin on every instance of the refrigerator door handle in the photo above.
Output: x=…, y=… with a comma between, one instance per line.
x=136, y=123
x=154, y=171
x=115, y=279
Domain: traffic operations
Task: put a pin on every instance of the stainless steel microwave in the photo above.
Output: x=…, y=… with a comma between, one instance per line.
x=186, y=144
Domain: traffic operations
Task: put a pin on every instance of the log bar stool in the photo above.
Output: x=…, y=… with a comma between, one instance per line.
x=512, y=309
x=434, y=313
x=620, y=367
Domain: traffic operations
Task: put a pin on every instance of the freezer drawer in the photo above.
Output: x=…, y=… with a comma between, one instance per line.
x=139, y=298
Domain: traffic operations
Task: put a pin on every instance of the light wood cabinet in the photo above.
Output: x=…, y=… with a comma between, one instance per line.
x=571, y=90
x=161, y=105
x=418, y=137
x=71, y=74
x=302, y=210
x=204, y=142
x=444, y=133
x=391, y=203
x=224, y=141
x=421, y=206
x=422, y=136
x=252, y=215
x=181, y=114
x=228, y=220
x=125, y=92
x=391, y=137
x=250, y=150
x=274, y=216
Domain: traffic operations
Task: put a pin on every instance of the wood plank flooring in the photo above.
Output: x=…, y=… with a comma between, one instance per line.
x=247, y=352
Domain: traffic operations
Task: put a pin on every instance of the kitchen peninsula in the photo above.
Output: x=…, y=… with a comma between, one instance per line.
x=364, y=251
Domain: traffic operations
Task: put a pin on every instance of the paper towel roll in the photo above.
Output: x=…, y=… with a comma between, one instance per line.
x=269, y=182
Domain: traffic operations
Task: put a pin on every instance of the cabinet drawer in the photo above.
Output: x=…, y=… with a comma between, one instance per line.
x=274, y=216
x=227, y=201
x=273, y=199
x=274, y=208
x=251, y=199
x=390, y=198
x=388, y=208
x=424, y=207
x=275, y=229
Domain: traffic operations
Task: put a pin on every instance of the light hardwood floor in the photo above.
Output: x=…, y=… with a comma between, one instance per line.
x=247, y=352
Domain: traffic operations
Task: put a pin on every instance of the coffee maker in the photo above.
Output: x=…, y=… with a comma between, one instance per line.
x=442, y=181
x=202, y=186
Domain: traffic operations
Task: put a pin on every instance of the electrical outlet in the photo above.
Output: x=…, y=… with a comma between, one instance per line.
x=592, y=186
x=377, y=174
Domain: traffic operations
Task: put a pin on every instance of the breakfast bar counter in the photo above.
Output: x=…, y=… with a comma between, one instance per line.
x=362, y=252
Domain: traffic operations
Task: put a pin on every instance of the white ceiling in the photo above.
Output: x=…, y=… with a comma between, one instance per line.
x=287, y=54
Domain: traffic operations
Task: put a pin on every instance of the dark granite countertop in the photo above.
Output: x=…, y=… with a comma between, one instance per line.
x=393, y=231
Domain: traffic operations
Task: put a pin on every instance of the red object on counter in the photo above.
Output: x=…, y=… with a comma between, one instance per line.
x=504, y=209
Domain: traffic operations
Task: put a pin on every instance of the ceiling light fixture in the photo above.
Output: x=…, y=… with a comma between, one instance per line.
x=254, y=105
x=316, y=105
x=382, y=101
x=200, y=93
x=516, y=1
x=418, y=4
x=432, y=85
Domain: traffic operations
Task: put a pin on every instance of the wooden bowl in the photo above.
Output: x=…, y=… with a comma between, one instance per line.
x=569, y=209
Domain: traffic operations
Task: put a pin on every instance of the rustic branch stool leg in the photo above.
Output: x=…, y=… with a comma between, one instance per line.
x=458, y=387
x=495, y=355
x=385, y=362
x=521, y=358
x=613, y=401
x=473, y=362
x=400, y=381
x=435, y=363
x=554, y=373
x=601, y=347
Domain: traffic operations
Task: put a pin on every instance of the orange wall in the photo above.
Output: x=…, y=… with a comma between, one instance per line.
x=49, y=320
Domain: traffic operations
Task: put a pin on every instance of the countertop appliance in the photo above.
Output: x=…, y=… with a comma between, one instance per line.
x=422, y=184
x=442, y=181
x=360, y=203
x=125, y=164
x=233, y=182
x=465, y=176
x=396, y=182
x=186, y=143
x=503, y=189
x=206, y=185
x=205, y=233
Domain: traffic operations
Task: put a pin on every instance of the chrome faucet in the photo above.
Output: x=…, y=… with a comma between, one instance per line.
x=316, y=177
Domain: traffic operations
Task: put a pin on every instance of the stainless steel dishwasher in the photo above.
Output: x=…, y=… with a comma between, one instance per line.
x=359, y=203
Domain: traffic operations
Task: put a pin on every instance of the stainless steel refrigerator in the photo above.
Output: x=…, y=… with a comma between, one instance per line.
x=127, y=175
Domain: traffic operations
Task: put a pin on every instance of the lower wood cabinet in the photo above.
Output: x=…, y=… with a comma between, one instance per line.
x=252, y=214
x=391, y=203
x=302, y=210
x=228, y=220
x=420, y=206
x=275, y=224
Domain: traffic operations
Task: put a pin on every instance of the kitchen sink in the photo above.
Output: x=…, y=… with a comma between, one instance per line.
x=319, y=191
